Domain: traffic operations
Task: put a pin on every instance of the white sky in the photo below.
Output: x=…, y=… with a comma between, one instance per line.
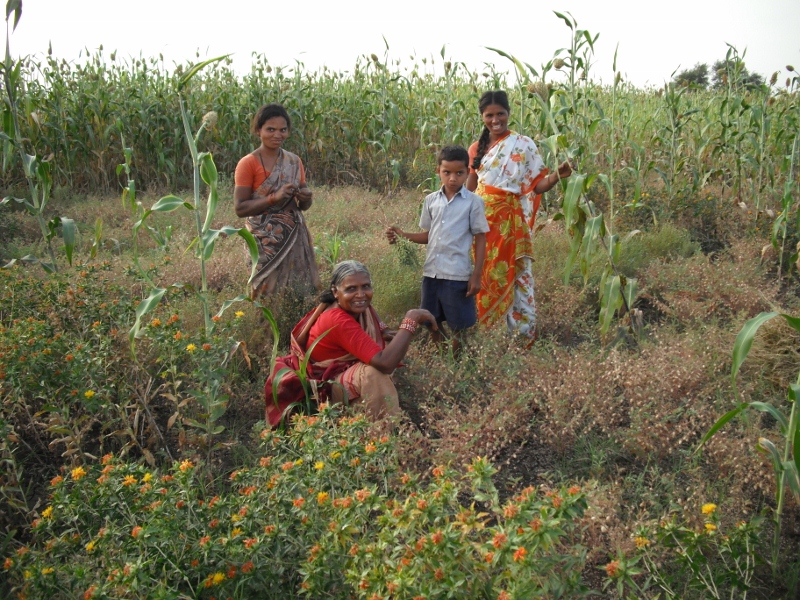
x=655, y=38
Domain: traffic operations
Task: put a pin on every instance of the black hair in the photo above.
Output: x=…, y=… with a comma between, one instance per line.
x=454, y=153
x=500, y=98
x=267, y=112
x=340, y=271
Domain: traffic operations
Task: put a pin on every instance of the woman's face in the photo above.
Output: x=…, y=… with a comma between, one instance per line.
x=354, y=293
x=495, y=117
x=274, y=132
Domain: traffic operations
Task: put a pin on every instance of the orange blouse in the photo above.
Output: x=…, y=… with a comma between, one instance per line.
x=250, y=173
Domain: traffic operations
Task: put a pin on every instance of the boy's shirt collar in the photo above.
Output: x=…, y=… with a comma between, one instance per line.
x=443, y=193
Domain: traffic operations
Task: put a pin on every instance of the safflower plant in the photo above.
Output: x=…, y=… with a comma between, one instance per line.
x=322, y=511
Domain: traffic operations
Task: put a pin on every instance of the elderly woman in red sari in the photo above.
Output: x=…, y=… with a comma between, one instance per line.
x=271, y=192
x=509, y=174
x=355, y=352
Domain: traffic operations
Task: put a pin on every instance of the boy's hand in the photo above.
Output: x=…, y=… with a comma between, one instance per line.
x=392, y=233
x=474, y=284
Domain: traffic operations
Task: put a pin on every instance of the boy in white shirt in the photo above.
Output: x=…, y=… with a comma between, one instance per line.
x=452, y=219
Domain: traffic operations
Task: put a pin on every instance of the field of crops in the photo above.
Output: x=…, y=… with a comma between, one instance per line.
x=135, y=459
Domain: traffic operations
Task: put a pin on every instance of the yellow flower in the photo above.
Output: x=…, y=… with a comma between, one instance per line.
x=147, y=477
x=90, y=547
x=708, y=508
x=298, y=462
x=641, y=542
x=191, y=348
x=129, y=480
x=322, y=497
x=47, y=570
x=77, y=473
x=236, y=531
x=186, y=465
x=319, y=465
x=710, y=527
x=27, y=574
x=218, y=578
x=239, y=314
x=155, y=323
x=47, y=512
x=88, y=394
x=335, y=454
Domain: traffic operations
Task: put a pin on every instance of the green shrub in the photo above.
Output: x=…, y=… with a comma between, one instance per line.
x=322, y=512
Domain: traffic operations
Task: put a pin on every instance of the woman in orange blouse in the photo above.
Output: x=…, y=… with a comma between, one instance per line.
x=271, y=193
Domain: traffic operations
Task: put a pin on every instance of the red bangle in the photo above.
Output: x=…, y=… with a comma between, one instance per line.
x=409, y=325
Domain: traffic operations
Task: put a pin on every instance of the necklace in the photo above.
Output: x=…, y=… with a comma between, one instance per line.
x=263, y=166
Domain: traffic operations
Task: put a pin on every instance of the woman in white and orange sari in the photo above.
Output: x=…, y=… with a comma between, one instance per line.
x=507, y=171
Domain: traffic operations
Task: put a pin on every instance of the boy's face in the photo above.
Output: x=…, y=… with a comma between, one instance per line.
x=453, y=174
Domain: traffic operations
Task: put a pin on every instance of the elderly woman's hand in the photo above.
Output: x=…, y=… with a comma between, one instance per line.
x=422, y=316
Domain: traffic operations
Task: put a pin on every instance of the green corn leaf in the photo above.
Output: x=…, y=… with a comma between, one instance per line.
x=196, y=69
x=14, y=6
x=98, y=236
x=721, y=422
x=275, y=333
x=303, y=372
x=611, y=302
x=792, y=479
x=565, y=19
x=593, y=231
x=228, y=303
x=68, y=235
x=793, y=322
x=630, y=291
x=778, y=415
x=772, y=452
x=276, y=381
x=145, y=306
x=168, y=204
x=208, y=171
x=744, y=341
x=571, y=198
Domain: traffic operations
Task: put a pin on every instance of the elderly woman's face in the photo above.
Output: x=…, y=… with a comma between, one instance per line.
x=354, y=293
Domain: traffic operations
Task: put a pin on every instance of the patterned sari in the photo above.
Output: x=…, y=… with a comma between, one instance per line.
x=508, y=173
x=285, y=250
x=320, y=374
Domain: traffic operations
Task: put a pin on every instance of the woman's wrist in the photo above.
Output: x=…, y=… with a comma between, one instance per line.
x=409, y=325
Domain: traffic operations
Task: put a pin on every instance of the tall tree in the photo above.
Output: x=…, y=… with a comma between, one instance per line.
x=696, y=77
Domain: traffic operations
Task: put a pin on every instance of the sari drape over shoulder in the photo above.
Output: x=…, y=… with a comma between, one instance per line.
x=319, y=374
x=507, y=176
x=285, y=250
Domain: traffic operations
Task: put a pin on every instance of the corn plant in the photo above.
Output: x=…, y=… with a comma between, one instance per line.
x=780, y=227
x=203, y=167
x=786, y=465
x=36, y=168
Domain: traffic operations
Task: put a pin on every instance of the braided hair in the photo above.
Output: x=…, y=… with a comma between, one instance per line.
x=500, y=98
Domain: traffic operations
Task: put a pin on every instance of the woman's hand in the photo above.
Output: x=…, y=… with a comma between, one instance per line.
x=387, y=359
x=287, y=190
x=422, y=316
x=564, y=170
x=304, y=194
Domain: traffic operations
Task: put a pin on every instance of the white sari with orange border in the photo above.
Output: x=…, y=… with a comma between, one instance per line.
x=507, y=175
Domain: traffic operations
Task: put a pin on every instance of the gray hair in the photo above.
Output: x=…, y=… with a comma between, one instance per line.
x=340, y=272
